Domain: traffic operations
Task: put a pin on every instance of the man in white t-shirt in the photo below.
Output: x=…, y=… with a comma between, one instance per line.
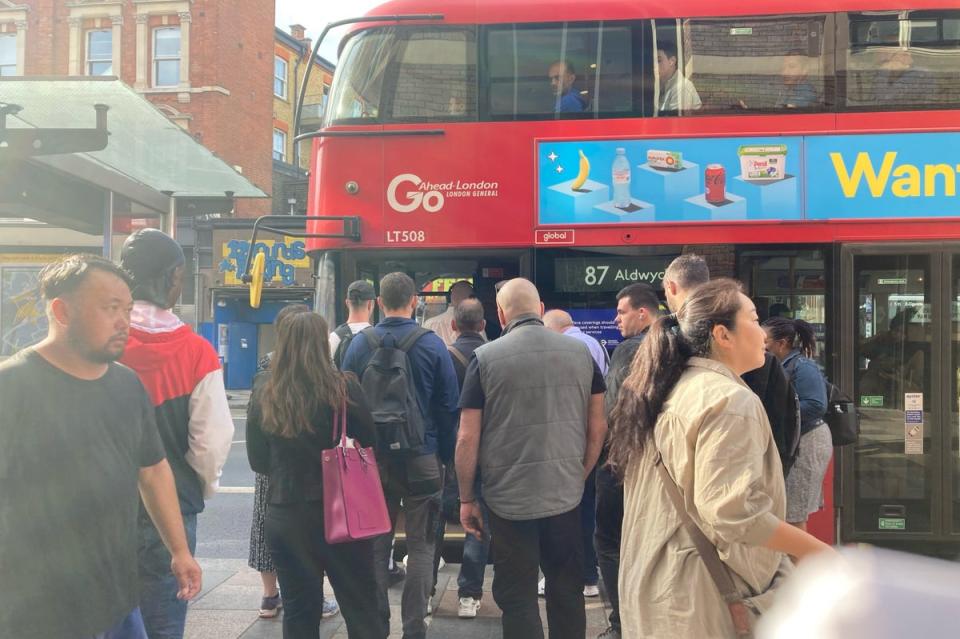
x=677, y=93
x=442, y=324
x=360, y=300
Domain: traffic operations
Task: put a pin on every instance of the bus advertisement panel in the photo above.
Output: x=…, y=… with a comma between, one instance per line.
x=756, y=178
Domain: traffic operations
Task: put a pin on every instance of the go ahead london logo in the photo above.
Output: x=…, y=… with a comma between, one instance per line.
x=408, y=192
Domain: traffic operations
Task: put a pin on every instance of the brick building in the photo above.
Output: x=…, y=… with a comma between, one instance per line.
x=291, y=161
x=206, y=65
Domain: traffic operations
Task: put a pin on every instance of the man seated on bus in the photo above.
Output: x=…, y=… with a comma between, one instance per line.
x=676, y=91
x=562, y=77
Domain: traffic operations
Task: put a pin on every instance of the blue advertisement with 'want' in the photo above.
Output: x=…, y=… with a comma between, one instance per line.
x=750, y=178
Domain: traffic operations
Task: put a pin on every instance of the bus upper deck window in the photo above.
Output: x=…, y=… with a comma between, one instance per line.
x=560, y=70
x=903, y=61
x=762, y=63
x=406, y=74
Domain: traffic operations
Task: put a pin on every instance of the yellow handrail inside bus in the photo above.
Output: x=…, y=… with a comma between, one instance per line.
x=256, y=281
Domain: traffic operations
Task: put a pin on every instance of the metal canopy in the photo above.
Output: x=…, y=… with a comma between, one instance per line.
x=148, y=158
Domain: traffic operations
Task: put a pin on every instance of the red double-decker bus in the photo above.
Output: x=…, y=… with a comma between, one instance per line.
x=810, y=149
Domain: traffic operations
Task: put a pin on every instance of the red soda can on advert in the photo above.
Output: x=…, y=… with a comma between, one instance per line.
x=715, y=178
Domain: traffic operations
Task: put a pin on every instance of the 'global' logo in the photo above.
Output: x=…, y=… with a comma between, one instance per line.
x=430, y=200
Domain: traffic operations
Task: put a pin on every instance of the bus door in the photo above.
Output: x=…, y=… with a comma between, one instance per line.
x=435, y=272
x=899, y=344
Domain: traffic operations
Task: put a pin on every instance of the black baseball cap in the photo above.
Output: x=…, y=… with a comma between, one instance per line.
x=361, y=291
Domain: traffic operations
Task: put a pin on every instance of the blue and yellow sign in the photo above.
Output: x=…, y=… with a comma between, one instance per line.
x=746, y=179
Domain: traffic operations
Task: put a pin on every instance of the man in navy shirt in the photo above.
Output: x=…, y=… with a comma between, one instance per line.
x=414, y=478
x=562, y=77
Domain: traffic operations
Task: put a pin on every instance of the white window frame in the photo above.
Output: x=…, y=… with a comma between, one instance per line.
x=283, y=80
x=282, y=137
x=9, y=66
x=89, y=61
x=166, y=58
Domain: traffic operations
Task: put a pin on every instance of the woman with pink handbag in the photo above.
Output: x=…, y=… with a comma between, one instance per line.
x=295, y=420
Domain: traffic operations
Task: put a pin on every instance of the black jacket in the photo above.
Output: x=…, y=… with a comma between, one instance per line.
x=294, y=465
x=772, y=385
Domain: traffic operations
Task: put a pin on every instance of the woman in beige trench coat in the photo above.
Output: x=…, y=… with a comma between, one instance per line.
x=687, y=400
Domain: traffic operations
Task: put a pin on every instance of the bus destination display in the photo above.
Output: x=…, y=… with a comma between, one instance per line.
x=607, y=274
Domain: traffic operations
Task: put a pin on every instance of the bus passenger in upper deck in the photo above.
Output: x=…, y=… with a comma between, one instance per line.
x=676, y=91
x=796, y=91
x=562, y=77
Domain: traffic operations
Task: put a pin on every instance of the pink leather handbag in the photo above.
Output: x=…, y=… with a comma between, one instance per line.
x=353, y=504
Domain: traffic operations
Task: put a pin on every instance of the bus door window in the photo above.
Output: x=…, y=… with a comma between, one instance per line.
x=563, y=70
x=901, y=59
x=762, y=63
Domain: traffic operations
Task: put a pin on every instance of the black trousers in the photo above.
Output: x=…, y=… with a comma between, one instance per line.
x=520, y=548
x=301, y=554
x=607, y=536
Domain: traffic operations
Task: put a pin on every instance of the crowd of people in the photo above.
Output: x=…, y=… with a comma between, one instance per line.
x=681, y=469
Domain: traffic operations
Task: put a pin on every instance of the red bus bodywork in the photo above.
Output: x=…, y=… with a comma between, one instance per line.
x=503, y=154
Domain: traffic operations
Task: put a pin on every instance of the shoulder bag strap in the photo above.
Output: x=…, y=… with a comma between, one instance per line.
x=460, y=356
x=708, y=552
x=340, y=423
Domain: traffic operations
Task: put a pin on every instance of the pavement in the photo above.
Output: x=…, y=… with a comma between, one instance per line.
x=227, y=608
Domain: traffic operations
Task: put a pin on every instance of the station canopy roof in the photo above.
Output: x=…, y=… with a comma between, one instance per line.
x=147, y=158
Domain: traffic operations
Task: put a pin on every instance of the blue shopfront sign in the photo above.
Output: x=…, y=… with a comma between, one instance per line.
x=748, y=179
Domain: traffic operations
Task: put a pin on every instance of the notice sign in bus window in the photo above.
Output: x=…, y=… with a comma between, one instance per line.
x=607, y=274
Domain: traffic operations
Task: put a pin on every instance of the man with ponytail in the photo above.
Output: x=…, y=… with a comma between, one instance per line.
x=684, y=409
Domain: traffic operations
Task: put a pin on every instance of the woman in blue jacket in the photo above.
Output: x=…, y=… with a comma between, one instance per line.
x=793, y=342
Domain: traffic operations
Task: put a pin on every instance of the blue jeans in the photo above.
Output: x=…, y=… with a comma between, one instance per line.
x=164, y=616
x=475, y=553
x=130, y=627
x=588, y=521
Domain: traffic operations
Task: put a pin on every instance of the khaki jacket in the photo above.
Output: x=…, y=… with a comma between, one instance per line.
x=716, y=443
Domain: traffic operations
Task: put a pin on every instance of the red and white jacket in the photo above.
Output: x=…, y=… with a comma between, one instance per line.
x=182, y=375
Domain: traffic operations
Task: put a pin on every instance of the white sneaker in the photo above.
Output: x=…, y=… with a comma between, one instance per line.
x=591, y=590
x=542, y=588
x=429, y=607
x=468, y=608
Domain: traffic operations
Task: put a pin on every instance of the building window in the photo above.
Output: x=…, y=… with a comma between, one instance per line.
x=280, y=77
x=99, y=52
x=166, y=57
x=8, y=54
x=279, y=145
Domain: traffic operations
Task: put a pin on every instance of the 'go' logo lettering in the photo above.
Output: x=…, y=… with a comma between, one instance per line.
x=431, y=201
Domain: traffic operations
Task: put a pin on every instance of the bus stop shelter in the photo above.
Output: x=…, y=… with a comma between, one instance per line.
x=149, y=167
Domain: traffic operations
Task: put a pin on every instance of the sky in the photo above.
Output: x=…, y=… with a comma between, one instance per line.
x=316, y=14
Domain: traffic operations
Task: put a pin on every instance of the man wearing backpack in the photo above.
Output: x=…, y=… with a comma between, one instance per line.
x=409, y=382
x=360, y=300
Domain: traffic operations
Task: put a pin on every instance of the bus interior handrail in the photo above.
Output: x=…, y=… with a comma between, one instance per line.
x=366, y=133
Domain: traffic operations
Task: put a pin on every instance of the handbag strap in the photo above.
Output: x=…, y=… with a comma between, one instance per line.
x=340, y=423
x=707, y=550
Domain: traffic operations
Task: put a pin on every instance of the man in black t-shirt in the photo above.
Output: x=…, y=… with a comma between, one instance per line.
x=78, y=442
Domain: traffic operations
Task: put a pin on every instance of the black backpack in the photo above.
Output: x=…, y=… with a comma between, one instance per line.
x=346, y=336
x=388, y=386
